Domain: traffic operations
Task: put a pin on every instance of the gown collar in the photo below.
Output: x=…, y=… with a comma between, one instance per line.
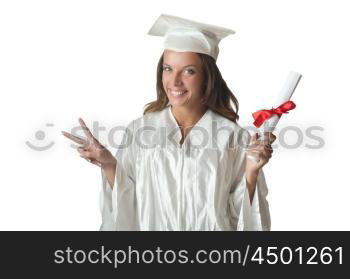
x=200, y=133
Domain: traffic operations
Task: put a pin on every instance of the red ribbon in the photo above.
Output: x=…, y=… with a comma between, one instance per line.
x=261, y=115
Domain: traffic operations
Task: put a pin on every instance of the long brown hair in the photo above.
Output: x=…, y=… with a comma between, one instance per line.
x=217, y=96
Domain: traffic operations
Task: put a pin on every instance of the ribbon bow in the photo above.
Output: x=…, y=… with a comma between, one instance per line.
x=261, y=115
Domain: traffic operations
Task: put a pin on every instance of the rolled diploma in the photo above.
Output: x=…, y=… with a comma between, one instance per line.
x=285, y=94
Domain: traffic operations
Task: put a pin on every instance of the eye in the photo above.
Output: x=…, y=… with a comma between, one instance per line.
x=190, y=71
x=166, y=68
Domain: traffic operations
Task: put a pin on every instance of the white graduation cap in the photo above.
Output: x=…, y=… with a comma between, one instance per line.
x=186, y=35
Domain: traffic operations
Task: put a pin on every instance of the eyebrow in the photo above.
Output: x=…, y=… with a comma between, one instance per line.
x=182, y=67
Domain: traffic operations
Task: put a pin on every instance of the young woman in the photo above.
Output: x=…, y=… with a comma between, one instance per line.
x=183, y=166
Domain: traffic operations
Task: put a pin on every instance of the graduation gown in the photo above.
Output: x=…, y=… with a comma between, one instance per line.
x=199, y=185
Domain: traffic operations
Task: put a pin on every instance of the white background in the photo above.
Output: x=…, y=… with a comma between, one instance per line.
x=60, y=60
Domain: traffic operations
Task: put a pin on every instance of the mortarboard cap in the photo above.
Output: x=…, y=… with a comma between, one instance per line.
x=186, y=35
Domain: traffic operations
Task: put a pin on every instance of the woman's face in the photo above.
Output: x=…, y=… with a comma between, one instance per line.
x=182, y=78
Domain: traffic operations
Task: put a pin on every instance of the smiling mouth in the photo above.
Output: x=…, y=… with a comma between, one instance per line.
x=177, y=93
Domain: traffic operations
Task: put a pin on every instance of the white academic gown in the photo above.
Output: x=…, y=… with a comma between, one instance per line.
x=201, y=185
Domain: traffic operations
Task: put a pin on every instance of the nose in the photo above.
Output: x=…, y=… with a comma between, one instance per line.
x=176, y=79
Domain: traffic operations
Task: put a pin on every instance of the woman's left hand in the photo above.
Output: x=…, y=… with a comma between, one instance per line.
x=261, y=150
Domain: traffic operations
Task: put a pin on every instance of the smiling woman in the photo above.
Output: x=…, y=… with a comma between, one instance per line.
x=213, y=93
x=180, y=82
x=182, y=165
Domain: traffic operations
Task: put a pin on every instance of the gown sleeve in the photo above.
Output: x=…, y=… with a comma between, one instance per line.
x=246, y=215
x=118, y=206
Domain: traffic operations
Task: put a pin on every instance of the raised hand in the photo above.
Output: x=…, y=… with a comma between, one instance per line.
x=91, y=149
x=261, y=150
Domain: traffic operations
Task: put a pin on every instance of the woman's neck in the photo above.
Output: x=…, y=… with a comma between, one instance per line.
x=188, y=117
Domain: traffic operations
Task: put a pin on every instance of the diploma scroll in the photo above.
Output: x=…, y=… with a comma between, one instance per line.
x=284, y=96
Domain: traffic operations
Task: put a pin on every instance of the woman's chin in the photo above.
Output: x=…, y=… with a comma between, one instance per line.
x=178, y=104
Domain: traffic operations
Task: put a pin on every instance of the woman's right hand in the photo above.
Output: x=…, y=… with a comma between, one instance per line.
x=91, y=149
